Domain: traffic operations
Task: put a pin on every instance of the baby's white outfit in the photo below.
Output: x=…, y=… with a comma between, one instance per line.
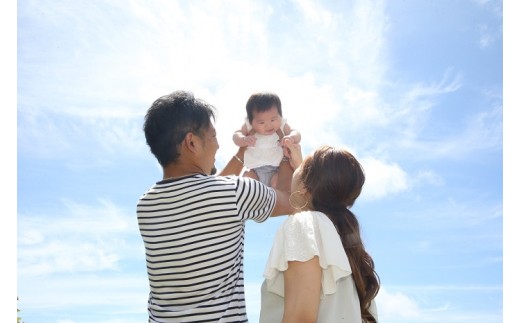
x=266, y=152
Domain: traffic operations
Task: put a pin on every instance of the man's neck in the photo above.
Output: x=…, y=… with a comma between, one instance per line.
x=180, y=169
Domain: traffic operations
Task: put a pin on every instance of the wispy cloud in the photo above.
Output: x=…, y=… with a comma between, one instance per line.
x=80, y=238
x=410, y=305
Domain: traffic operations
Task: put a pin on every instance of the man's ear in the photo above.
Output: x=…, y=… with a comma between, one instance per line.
x=190, y=142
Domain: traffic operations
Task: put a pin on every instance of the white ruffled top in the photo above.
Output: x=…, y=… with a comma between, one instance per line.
x=301, y=237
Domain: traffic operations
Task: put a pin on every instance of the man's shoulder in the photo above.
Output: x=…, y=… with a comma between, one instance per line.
x=234, y=179
x=243, y=181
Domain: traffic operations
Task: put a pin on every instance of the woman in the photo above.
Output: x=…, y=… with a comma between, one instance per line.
x=318, y=269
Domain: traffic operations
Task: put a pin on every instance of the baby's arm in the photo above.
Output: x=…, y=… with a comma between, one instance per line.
x=292, y=135
x=241, y=139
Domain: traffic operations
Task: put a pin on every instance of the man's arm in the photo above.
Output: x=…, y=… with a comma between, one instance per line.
x=235, y=164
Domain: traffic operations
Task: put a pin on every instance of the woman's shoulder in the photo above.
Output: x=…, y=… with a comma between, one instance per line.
x=305, y=216
x=306, y=219
x=314, y=223
x=302, y=216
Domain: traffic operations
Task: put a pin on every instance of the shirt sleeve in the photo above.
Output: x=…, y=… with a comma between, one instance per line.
x=255, y=200
x=301, y=237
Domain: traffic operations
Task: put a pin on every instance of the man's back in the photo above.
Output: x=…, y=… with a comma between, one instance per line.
x=193, y=231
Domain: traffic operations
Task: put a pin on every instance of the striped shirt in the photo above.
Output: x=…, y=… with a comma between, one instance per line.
x=193, y=233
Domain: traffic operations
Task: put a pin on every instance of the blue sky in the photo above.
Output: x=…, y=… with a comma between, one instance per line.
x=413, y=88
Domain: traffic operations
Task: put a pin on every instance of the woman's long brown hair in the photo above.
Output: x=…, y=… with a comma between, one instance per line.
x=334, y=179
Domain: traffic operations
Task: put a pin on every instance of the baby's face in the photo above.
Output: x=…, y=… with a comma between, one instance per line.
x=266, y=122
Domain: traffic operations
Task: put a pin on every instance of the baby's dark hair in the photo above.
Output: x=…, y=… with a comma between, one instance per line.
x=262, y=101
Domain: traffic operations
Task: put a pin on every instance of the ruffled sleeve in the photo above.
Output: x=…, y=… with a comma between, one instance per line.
x=301, y=237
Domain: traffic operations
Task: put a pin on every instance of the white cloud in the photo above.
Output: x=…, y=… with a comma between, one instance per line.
x=314, y=13
x=102, y=135
x=426, y=177
x=236, y=49
x=412, y=304
x=383, y=179
x=80, y=238
x=210, y=50
x=396, y=306
x=123, y=293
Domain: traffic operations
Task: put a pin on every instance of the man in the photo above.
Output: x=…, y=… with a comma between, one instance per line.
x=192, y=223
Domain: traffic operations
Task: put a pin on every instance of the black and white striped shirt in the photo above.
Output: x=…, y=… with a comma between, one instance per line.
x=193, y=232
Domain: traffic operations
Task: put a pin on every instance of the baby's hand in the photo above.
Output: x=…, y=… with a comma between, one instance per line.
x=249, y=140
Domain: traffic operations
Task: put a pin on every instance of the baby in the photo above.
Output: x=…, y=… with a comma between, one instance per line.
x=264, y=132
